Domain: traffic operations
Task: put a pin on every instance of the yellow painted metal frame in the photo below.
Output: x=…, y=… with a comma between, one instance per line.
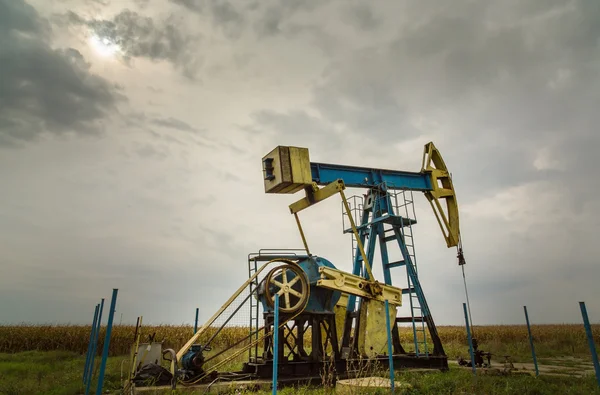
x=133, y=355
x=442, y=189
x=314, y=194
x=282, y=323
x=356, y=236
x=338, y=280
x=302, y=233
x=212, y=319
x=372, y=340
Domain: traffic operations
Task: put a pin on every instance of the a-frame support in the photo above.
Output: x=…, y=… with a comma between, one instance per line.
x=377, y=211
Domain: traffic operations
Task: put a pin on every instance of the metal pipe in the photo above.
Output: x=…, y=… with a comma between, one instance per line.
x=138, y=334
x=467, y=295
x=588, y=332
x=212, y=319
x=173, y=365
x=302, y=233
x=94, y=344
x=196, y=321
x=89, y=350
x=242, y=303
x=469, y=337
x=389, y=339
x=111, y=314
x=537, y=372
x=275, y=343
x=366, y=262
x=134, y=354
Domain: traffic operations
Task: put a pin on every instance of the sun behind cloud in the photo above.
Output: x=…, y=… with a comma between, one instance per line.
x=103, y=46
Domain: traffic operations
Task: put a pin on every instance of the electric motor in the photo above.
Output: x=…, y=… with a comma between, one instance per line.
x=193, y=359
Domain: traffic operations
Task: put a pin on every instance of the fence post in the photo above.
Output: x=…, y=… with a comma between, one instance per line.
x=90, y=374
x=89, y=350
x=590, y=337
x=111, y=314
x=537, y=372
x=275, y=343
x=196, y=321
x=389, y=339
x=469, y=337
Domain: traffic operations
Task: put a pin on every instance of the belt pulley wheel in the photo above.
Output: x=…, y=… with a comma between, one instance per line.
x=290, y=283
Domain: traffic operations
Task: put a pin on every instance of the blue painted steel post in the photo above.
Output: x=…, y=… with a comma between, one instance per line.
x=89, y=350
x=389, y=339
x=275, y=344
x=469, y=336
x=537, y=372
x=588, y=332
x=196, y=321
x=111, y=314
x=90, y=374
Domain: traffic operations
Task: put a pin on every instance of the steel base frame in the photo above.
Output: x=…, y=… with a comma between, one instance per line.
x=299, y=365
x=294, y=345
x=307, y=371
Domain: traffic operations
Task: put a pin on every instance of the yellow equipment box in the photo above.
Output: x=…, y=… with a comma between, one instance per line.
x=286, y=170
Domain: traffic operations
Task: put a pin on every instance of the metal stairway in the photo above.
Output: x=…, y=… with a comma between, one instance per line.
x=254, y=310
x=356, y=204
x=394, y=214
x=399, y=219
x=388, y=216
x=407, y=246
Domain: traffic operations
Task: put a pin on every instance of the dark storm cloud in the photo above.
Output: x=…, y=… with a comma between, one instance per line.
x=509, y=81
x=265, y=19
x=360, y=15
x=222, y=13
x=44, y=89
x=295, y=127
x=152, y=151
x=18, y=16
x=174, y=123
x=227, y=17
x=192, y=5
x=140, y=36
x=141, y=120
x=509, y=93
x=274, y=17
x=165, y=133
x=142, y=3
x=365, y=102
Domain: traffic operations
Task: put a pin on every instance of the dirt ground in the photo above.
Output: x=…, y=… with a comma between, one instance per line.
x=559, y=366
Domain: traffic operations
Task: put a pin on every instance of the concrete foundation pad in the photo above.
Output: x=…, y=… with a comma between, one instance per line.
x=368, y=384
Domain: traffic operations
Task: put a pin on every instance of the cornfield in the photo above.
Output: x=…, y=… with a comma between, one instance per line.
x=76, y=337
x=560, y=338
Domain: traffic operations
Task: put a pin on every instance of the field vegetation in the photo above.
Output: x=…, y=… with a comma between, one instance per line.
x=550, y=340
x=59, y=373
x=38, y=359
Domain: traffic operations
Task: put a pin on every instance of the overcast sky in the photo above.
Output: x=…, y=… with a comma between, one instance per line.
x=132, y=132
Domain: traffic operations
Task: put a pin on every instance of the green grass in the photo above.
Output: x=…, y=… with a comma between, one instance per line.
x=518, y=350
x=50, y=372
x=59, y=372
x=459, y=381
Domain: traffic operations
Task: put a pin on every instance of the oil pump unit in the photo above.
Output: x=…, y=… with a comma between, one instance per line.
x=330, y=317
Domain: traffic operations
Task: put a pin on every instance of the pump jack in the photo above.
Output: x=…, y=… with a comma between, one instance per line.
x=331, y=316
